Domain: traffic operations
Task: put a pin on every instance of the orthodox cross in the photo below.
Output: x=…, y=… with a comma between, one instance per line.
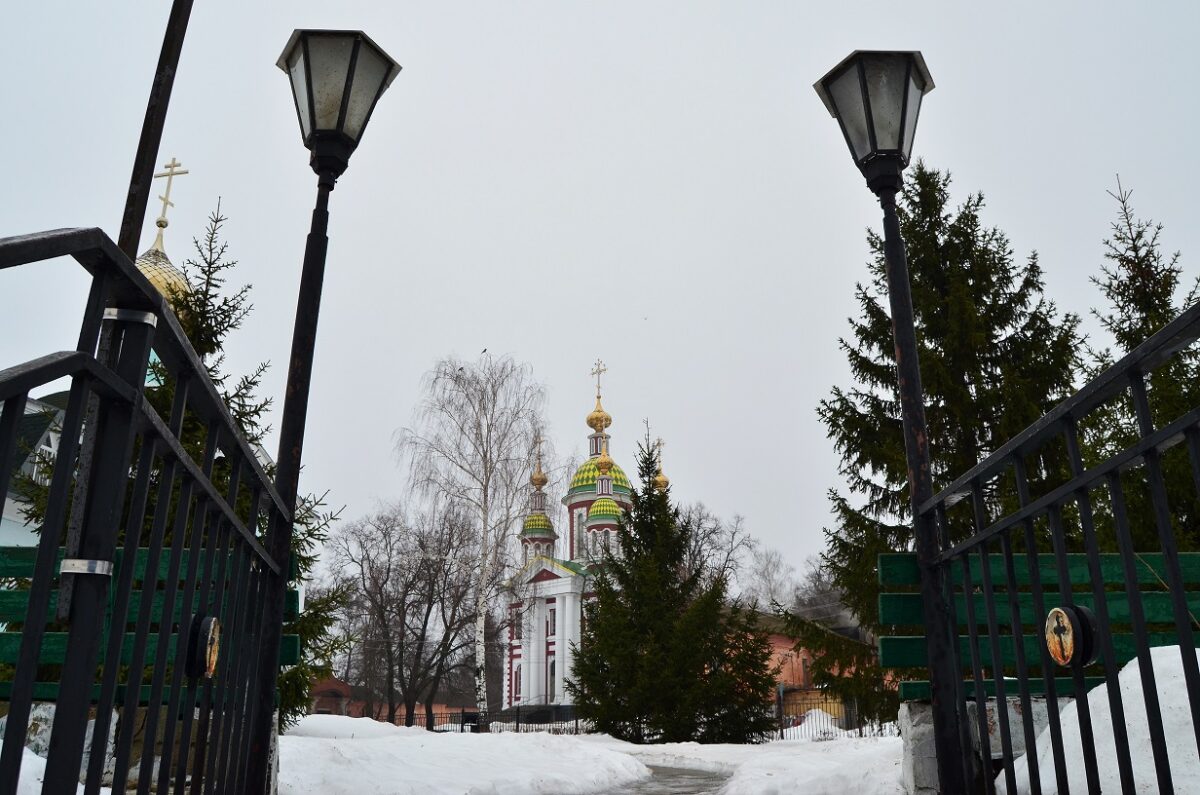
x=598, y=371
x=660, y=444
x=172, y=170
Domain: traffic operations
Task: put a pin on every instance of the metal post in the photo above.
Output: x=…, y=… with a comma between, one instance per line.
x=152, y=128
x=291, y=443
x=938, y=622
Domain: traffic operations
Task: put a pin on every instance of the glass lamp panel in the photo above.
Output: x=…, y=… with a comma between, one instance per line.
x=885, y=75
x=913, y=109
x=370, y=70
x=847, y=96
x=330, y=63
x=299, y=80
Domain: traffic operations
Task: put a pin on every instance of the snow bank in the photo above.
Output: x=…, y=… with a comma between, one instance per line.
x=864, y=766
x=338, y=727
x=33, y=771
x=868, y=766
x=1177, y=722
x=330, y=755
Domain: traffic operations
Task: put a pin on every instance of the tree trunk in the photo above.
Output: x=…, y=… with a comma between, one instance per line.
x=433, y=688
x=481, y=653
x=391, y=685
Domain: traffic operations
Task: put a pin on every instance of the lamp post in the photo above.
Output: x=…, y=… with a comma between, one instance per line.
x=337, y=76
x=876, y=98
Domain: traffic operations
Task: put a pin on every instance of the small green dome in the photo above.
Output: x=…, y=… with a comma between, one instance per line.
x=537, y=525
x=604, y=508
x=585, y=478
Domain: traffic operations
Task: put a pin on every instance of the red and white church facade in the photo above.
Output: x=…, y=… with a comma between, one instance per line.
x=547, y=609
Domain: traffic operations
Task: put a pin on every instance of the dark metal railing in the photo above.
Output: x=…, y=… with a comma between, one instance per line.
x=1038, y=494
x=125, y=488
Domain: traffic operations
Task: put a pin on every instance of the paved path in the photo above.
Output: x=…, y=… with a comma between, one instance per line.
x=676, y=781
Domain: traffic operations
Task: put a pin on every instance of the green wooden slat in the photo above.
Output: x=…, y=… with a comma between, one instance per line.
x=54, y=647
x=19, y=562
x=291, y=605
x=14, y=604
x=908, y=651
x=900, y=568
x=48, y=691
x=919, y=690
x=905, y=608
x=289, y=650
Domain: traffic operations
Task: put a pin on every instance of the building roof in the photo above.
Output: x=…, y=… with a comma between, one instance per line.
x=56, y=399
x=585, y=478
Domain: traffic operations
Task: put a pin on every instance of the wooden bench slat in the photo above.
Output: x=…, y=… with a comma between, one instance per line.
x=54, y=648
x=908, y=651
x=900, y=568
x=919, y=690
x=19, y=562
x=906, y=608
x=48, y=691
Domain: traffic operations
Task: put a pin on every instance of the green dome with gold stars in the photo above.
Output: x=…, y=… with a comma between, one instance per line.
x=585, y=478
x=604, y=508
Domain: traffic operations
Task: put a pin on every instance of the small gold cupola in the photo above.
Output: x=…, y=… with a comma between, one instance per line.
x=604, y=463
x=661, y=481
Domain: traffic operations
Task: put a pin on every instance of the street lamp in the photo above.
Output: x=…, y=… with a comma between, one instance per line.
x=876, y=98
x=337, y=76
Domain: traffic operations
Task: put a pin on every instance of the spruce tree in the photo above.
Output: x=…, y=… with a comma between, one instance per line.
x=1141, y=287
x=663, y=657
x=995, y=355
x=208, y=313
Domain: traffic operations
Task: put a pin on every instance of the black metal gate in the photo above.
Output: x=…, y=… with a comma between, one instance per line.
x=152, y=564
x=1014, y=530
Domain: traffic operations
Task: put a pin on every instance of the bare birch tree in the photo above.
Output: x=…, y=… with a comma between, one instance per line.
x=473, y=444
x=769, y=580
x=717, y=547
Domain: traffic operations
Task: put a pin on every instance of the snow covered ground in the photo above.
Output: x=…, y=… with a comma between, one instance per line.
x=864, y=766
x=333, y=755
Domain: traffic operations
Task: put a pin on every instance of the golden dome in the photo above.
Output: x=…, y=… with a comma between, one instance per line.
x=604, y=463
x=161, y=273
x=538, y=479
x=599, y=419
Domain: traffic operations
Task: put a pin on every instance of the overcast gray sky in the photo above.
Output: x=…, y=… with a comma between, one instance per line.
x=652, y=183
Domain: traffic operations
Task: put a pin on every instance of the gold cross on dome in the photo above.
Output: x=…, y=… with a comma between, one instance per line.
x=660, y=444
x=598, y=371
x=172, y=170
